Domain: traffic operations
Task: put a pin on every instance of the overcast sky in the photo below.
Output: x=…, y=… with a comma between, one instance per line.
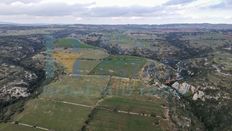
x=116, y=11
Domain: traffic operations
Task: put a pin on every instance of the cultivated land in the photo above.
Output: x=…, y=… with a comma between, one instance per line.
x=66, y=58
x=80, y=59
x=14, y=127
x=81, y=89
x=119, y=77
x=53, y=115
x=124, y=66
x=113, y=121
x=69, y=103
x=71, y=43
x=93, y=100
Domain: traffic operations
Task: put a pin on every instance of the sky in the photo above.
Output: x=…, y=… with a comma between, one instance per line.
x=115, y=11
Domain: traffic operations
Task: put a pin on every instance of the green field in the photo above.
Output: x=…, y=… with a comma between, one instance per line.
x=71, y=43
x=66, y=103
x=124, y=66
x=13, y=127
x=112, y=121
x=139, y=104
x=125, y=87
x=54, y=115
x=86, y=66
x=89, y=53
x=83, y=89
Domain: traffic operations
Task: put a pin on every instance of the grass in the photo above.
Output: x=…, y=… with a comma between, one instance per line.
x=85, y=66
x=83, y=89
x=125, y=87
x=139, y=104
x=112, y=121
x=13, y=127
x=88, y=53
x=124, y=66
x=71, y=43
x=54, y=115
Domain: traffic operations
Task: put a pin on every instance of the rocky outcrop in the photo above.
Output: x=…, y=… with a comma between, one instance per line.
x=158, y=71
x=199, y=95
x=184, y=88
x=189, y=90
x=20, y=73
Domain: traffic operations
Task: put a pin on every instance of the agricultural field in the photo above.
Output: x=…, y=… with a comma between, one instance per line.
x=14, y=127
x=53, y=115
x=116, y=78
x=139, y=104
x=83, y=59
x=113, y=121
x=66, y=104
x=66, y=58
x=86, y=66
x=93, y=54
x=124, y=66
x=79, y=89
x=125, y=86
x=70, y=43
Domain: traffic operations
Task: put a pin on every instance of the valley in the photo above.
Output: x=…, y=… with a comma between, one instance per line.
x=116, y=77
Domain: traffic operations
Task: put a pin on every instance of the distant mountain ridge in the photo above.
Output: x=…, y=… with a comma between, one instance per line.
x=161, y=26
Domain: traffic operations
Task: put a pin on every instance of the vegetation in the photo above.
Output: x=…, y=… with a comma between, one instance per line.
x=105, y=121
x=81, y=89
x=15, y=127
x=124, y=66
x=71, y=43
x=110, y=84
x=139, y=104
x=53, y=115
x=66, y=58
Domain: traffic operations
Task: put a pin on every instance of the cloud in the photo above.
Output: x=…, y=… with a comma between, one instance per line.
x=82, y=10
x=121, y=11
x=42, y=9
x=124, y=11
x=224, y=4
x=22, y=1
x=177, y=2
